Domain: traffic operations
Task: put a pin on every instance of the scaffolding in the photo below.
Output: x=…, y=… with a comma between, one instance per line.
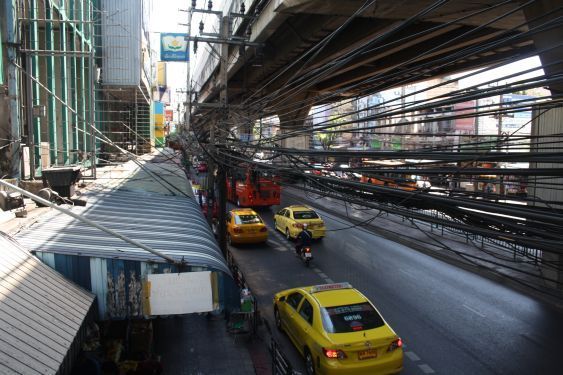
x=56, y=59
x=85, y=67
x=124, y=110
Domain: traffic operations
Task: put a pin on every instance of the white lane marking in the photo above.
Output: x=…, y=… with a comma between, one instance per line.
x=426, y=369
x=474, y=311
x=280, y=248
x=412, y=356
x=403, y=271
x=358, y=239
x=323, y=276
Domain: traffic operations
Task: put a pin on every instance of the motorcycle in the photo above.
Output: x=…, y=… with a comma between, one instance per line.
x=305, y=254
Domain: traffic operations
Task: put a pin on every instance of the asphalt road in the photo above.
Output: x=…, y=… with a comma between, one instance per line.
x=452, y=321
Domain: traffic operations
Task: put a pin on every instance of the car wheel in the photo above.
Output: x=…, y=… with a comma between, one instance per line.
x=309, y=363
x=287, y=234
x=277, y=319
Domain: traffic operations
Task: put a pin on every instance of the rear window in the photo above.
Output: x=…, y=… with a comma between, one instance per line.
x=305, y=215
x=350, y=318
x=247, y=219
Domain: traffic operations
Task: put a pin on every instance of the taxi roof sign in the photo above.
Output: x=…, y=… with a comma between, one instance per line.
x=334, y=286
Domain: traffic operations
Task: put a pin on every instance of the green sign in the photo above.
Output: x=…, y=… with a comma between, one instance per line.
x=396, y=144
x=375, y=144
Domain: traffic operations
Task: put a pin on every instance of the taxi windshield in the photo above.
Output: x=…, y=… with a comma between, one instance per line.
x=247, y=219
x=298, y=215
x=350, y=318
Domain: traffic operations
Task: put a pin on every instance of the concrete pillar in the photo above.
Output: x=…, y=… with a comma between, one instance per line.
x=539, y=14
x=550, y=122
x=293, y=121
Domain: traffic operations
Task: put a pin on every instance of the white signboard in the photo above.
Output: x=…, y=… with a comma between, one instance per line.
x=180, y=293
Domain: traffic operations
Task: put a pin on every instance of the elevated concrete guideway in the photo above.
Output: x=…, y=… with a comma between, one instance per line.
x=318, y=51
x=390, y=43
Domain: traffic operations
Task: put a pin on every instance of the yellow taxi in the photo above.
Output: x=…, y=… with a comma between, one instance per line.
x=244, y=225
x=338, y=330
x=290, y=221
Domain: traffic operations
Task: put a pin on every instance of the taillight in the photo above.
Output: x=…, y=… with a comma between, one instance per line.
x=334, y=353
x=237, y=230
x=263, y=229
x=395, y=345
x=307, y=249
x=297, y=225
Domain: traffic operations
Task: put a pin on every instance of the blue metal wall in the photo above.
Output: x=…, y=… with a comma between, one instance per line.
x=118, y=283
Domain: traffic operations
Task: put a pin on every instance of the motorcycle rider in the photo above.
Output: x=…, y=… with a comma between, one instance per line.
x=304, y=239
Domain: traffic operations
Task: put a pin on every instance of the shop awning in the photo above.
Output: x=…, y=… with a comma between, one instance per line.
x=41, y=314
x=172, y=225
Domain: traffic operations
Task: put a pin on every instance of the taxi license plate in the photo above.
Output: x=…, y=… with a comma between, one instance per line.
x=308, y=255
x=367, y=354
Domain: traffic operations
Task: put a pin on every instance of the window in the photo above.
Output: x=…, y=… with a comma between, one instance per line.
x=286, y=214
x=247, y=219
x=294, y=299
x=306, y=311
x=298, y=215
x=350, y=318
x=282, y=212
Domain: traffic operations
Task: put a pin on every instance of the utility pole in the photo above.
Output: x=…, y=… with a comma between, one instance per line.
x=219, y=124
x=499, y=143
x=222, y=175
x=188, y=85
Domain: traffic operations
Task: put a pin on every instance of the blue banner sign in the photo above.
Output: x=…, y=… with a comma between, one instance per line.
x=174, y=47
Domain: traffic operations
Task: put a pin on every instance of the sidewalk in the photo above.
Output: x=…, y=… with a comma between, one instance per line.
x=200, y=345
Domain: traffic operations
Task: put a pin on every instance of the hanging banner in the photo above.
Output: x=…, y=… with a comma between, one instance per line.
x=173, y=47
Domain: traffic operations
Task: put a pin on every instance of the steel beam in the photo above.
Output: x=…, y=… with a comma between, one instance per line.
x=51, y=83
x=35, y=98
x=64, y=90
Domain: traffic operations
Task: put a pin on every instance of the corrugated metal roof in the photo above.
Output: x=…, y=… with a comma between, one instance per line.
x=172, y=225
x=40, y=312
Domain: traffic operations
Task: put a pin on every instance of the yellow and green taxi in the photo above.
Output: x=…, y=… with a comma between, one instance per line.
x=290, y=221
x=244, y=225
x=338, y=330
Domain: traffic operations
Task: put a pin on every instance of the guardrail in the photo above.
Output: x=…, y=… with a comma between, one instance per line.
x=280, y=363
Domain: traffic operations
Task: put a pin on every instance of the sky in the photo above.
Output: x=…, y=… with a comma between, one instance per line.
x=167, y=18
